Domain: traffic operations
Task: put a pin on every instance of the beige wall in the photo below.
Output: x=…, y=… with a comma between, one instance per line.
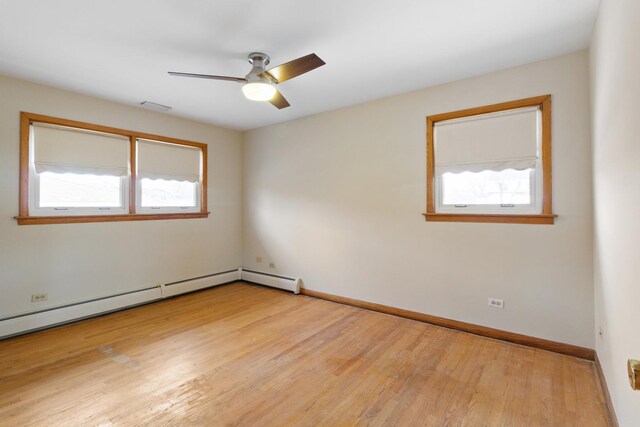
x=337, y=198
x=615, y=71
x=76, y=262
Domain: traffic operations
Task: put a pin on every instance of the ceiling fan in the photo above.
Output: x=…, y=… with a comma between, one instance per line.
x=260, y=84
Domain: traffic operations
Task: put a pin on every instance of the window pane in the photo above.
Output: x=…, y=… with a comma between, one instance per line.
x=487, y=188
x=162, y=193
x=69, y=190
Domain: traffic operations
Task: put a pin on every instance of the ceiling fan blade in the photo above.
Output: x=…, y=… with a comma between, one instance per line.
x=296, y=67
x=209, y=76
x=279, y=101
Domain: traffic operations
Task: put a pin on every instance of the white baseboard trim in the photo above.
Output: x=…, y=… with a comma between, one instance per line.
x=280, y=282
x=29, y=322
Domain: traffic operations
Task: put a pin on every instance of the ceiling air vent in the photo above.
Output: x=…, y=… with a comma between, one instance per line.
x=155, y=107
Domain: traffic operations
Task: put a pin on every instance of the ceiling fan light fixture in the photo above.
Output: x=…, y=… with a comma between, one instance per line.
x=258, y=91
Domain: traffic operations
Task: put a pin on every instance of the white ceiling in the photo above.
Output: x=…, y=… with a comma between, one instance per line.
x=122, y=49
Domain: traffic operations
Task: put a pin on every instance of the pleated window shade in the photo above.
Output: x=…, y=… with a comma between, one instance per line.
x=171, y=162
x=496, y=141
x=61, y=149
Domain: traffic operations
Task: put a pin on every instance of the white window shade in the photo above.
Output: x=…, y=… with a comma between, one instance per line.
x=496, y=141
x=61, y=149
x=171, y=162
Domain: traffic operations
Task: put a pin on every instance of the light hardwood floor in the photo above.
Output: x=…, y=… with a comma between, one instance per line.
x=242, y=354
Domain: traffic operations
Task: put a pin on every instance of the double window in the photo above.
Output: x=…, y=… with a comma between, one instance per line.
x=78, y=172
x=491, y=164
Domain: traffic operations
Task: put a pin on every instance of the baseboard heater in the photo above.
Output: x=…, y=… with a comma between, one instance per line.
x=275, y=281
x=29, y=322
x=190, y=285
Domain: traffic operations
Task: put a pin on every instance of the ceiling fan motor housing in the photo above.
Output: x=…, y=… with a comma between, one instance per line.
x=257, y=58
x=257, y=73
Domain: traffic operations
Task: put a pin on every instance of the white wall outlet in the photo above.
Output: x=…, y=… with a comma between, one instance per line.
x=272, y=265
x=258, y=259
x=39, y=297
x=495, y=302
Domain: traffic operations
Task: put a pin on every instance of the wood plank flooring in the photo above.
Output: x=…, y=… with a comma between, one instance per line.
x=247, y=355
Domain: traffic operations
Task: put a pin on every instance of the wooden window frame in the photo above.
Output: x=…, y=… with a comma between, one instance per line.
x=545, y=217
x=23, y=218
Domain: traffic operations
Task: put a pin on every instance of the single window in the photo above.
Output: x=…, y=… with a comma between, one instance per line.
x=160, y=193
x=169, y=177
x=493, y=190
x=79, y=172
x=70, y=190
x=491, y=164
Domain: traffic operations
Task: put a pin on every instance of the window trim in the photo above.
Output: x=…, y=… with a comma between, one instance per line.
x=24, y=218
x=545, y=217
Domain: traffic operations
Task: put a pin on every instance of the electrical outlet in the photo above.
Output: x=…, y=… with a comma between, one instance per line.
x=39, y=297
x=495, y=302
x=272, y=265
x=258, y=259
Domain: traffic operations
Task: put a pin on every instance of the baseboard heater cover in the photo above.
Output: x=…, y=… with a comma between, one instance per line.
x=46, y=318
x=29, y=322
x=177, y=288
x=272, y=280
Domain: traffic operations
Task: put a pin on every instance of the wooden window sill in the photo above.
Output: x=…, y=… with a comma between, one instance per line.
x=493, y=218
x=31, y=220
